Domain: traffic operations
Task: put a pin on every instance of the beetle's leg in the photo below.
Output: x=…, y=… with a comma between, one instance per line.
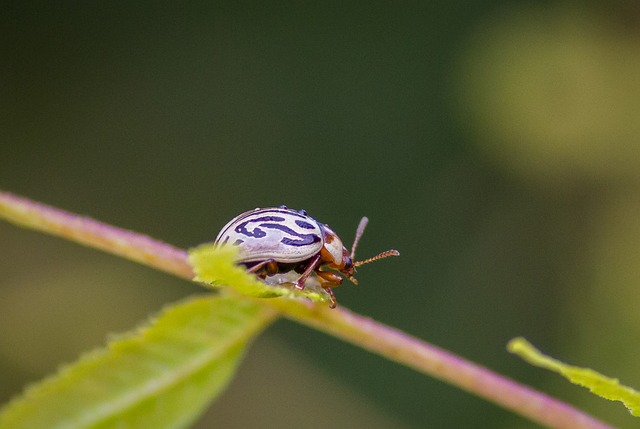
x=332, y=298
x=328, y=281
x=270, y=267
x=313, y=264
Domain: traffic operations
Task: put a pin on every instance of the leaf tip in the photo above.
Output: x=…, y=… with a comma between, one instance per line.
x=217, y=266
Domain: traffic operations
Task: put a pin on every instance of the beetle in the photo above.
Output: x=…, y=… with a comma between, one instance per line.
x=277, y=240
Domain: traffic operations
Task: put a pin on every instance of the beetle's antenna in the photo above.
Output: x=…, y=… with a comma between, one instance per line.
x=382, y=255
x=363, y=224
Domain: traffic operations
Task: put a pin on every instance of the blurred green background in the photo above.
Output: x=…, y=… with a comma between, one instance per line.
x=494, y=143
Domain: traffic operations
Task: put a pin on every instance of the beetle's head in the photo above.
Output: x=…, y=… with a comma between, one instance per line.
x=340, y=259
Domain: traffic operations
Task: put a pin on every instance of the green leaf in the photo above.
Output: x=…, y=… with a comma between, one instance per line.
x=216, y=266
x=162, y=375
x=605, y=387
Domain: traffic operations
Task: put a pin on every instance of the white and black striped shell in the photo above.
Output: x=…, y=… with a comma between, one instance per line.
x=281, y=234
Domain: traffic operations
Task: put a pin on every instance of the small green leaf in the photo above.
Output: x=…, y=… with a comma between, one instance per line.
x=162, y=375
x=216, y=266
x=605, y=387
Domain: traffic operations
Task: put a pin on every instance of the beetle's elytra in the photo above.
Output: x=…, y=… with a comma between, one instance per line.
x=279, y=239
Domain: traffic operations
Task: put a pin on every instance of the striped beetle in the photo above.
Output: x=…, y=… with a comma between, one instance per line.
x=279, y=239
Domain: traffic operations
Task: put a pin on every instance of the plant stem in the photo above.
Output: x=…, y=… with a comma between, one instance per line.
x=89, y=232
x=436, y=362
x=359, y=330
